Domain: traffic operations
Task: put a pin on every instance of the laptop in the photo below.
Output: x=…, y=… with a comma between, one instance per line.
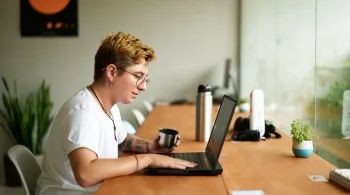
x=208, y=161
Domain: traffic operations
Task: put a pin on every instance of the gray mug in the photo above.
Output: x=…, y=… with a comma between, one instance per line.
x=167, y=137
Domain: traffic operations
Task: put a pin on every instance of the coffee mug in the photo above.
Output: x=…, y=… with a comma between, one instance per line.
x=167, y=137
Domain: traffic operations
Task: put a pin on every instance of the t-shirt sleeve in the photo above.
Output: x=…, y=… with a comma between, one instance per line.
x=121, y=133
x=81, y=130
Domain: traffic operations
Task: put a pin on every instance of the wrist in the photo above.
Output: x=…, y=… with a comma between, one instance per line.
x=145, y=160
x=151, y=147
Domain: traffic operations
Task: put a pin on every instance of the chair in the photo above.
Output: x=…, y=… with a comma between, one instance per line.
x=26, y=165
x=148, y=105
x=129, y=128
x=139, y=116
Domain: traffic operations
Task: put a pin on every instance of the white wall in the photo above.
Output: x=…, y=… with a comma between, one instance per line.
x=278, y=38
x=333, y=29
x=190, y=38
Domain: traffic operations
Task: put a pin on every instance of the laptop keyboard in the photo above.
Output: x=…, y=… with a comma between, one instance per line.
x=193, y=157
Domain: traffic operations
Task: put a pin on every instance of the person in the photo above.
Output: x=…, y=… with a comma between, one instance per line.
x=87, y=132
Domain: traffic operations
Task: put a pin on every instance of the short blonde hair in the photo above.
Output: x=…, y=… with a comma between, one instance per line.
x=123, y=50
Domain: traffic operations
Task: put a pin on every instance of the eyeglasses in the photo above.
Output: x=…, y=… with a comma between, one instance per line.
x=140, y=79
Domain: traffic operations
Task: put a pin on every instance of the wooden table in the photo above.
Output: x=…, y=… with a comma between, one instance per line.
x=265, y=165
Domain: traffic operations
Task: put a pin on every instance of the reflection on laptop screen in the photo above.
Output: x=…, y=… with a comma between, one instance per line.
x=221, y=123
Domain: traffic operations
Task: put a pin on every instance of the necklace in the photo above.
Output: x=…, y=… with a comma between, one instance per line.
x=109, y=115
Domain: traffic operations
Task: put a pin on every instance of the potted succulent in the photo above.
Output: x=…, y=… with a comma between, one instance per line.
x=25, y=120
x=303, y=137
x=243, y=105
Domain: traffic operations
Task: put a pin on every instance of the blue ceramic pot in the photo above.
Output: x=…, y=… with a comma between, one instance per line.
x=304, y=149
x=244, y=107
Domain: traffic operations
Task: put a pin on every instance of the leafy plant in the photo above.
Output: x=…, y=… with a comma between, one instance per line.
x=242, y=100
x=44, y=118
x=27, y=121
x=302, y=132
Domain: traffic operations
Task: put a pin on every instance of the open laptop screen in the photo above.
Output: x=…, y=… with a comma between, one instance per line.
x=221, y=125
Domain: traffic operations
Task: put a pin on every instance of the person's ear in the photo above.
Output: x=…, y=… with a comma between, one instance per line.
x=111, y=72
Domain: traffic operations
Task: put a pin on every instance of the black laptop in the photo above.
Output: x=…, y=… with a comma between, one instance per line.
x=208, y=161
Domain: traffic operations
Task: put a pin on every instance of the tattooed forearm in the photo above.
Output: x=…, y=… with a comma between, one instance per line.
x=134, y=144
x=126, y=145
x=139, y=149
x=142, y=146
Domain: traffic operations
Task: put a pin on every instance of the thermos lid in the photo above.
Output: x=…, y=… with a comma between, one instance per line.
x=204, y=88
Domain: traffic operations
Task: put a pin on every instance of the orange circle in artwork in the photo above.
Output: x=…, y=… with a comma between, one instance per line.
x=48, y=7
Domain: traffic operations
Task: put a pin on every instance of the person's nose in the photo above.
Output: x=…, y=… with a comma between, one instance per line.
x=142, y=86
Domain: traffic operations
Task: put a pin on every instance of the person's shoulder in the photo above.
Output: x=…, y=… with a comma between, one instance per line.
x=80, y=100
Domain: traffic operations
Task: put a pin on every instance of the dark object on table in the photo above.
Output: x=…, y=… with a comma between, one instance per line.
x=271, y=129
x=242, y=124
x=250, y=135
x=179, y=101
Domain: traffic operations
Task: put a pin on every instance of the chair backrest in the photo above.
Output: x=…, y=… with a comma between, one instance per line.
x=26, y=165
x=148, y=105
x=128, y=127
x=139, y=116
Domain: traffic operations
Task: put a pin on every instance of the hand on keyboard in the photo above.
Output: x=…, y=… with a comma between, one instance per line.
x=162, y=161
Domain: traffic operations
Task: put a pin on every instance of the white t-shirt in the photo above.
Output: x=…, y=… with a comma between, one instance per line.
x=81, y=122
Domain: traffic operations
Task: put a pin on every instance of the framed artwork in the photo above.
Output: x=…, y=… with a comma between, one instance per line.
x=49, y=17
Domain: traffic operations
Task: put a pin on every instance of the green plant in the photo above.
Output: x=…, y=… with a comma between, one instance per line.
x=341, y=82
x=242, y=100
x=302, y=132
x=26, y=122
